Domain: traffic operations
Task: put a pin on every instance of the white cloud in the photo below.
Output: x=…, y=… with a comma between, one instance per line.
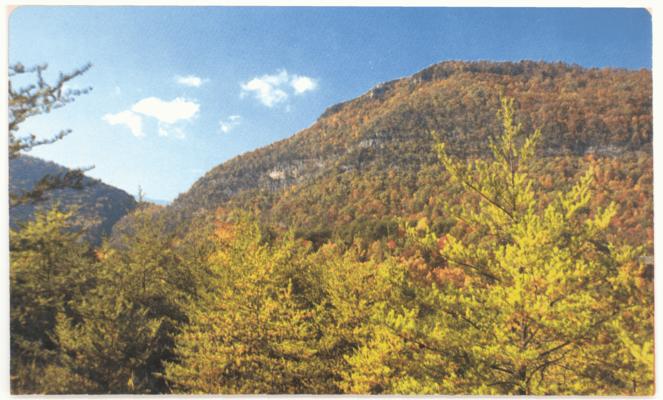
x=229, y=123
x=303, y=84
x=190, y=80
x=167, y=112
x=270, y=90
x=132, y=120
x=266, y=88
x=169, y=115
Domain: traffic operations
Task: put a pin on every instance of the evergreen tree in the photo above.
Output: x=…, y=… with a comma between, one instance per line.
x=110, y=350
x=129, y=321
x=256, y=330
x=50, y=272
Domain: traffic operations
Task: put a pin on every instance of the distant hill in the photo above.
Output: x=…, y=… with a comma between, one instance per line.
x=370, y=159
x=158, y=202
x=100, y=205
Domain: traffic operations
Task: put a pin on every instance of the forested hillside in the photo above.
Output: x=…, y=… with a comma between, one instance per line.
x=99, y=205
x=368, y=160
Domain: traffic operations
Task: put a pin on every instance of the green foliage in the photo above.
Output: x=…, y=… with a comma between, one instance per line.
x=110, y=350
x=50, y=271
x=354, y=292
x=255, y=330
x=392, y=354
x=128, y=323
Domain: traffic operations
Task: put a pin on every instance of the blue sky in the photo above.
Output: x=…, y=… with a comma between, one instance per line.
x=179, y=90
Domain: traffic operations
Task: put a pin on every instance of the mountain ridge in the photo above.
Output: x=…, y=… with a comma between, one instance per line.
x=580, y=110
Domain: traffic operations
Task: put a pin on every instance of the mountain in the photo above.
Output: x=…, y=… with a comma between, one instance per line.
x=100, y=205
x=369, y=160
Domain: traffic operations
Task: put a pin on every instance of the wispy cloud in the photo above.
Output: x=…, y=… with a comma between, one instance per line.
x=132, y=120
x=169, y=115
x=271, y=90
x=226, y=125
x=190, y=80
